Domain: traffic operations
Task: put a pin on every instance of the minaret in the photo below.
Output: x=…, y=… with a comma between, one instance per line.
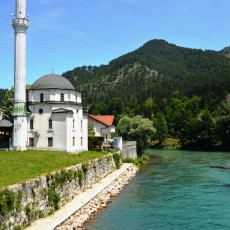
x=20, y=24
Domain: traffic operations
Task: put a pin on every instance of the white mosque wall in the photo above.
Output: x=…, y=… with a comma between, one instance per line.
x=65, y=135
x=53, y=95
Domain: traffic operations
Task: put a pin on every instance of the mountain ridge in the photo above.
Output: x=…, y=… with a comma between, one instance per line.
x=157, y=69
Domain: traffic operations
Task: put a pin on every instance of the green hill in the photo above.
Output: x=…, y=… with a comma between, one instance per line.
x=158, y=69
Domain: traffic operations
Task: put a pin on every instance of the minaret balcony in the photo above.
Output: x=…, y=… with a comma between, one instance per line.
x=20, y=24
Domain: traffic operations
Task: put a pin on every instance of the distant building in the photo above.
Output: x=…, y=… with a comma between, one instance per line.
x=1, y=115
x=228, y=98
x=102, y=126
x=5, y=132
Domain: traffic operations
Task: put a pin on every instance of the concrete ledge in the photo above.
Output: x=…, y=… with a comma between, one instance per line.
x=68, y=210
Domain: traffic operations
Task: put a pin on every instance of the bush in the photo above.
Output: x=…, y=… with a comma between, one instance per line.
x=117, y=160
x=7, y=200
x=95, y=142
x=53, y=198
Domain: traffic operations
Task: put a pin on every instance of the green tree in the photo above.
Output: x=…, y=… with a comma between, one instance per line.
x=148, y=108
x=136, y=129
x=115, y=107
x=8, y=103
x=223, y=123
x=206, y=127
x=91, y=132
x=99, y=109
x=160, y=124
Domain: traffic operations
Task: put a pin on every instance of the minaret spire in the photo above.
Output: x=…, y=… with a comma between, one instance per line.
x=20, y=24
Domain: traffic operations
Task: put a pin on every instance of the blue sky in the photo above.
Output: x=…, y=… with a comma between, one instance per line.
x=65, y=34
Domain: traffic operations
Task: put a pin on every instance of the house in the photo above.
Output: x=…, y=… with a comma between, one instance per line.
x=102, y=126
x=5, y=132
x=228, y=98
x=56, y=119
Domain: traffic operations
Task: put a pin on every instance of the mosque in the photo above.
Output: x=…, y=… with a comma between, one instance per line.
x=56, y=118
x=50, y=114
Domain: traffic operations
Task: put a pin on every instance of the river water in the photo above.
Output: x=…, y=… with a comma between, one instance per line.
x=177, y=190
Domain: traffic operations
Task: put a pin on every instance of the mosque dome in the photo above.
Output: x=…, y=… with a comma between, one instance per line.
x=52, y=81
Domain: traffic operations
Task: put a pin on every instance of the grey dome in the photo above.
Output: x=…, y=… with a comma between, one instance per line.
x=52, y=81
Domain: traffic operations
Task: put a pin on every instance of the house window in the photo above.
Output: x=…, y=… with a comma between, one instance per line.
x=81, y=124
x=41, y=97
x=50, y=141
x=73, y=141
x=31, y=142
x=31, y=124
x=73, y=124
x=81, y=141
x=50, y=123
x=62, y=97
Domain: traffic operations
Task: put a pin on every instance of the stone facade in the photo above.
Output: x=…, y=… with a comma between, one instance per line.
x=21, y=204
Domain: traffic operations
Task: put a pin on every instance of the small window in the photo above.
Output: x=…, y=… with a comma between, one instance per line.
x=41, y=97
x=73, y=141
x=50, y=141
x=50, y=123
x=62, y=97
x=40, y=111
x=31, y=142
x=81, y=141
x=31, y=124
x=81, y=124
x=73, y=123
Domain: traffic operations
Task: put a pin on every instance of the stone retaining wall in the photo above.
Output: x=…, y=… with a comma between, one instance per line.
x=21, y=204
x=100, y=201
x=129, y=150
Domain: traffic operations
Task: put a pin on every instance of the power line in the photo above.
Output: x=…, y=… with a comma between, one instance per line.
x=82, y=30
x=76, y=28
x=167, y=23
x=76, y=40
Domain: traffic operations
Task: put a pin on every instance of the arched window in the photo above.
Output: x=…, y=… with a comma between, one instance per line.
x=50, y=123
x=73, y=123
x=41, y=97
x=62, y=97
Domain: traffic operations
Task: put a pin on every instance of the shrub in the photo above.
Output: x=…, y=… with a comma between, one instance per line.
x=53, y=198
x=85, y=167
x=117, y=160
x=7, y=200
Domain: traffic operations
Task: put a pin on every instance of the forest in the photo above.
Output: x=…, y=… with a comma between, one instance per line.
x=182, y=91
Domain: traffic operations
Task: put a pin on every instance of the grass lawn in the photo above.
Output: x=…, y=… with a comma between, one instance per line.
x=17, y=167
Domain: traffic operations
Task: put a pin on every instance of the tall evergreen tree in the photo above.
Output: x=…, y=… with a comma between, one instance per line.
x=8, y=103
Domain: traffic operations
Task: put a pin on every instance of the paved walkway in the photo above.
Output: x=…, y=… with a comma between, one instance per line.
x=50, y=222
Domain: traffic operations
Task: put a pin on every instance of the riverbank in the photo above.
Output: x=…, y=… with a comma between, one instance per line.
x=75, y=213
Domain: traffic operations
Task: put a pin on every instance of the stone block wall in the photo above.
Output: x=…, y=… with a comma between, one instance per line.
x=21, y=204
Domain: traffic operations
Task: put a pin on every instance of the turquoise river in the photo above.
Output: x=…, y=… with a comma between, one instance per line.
x=177, y=190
